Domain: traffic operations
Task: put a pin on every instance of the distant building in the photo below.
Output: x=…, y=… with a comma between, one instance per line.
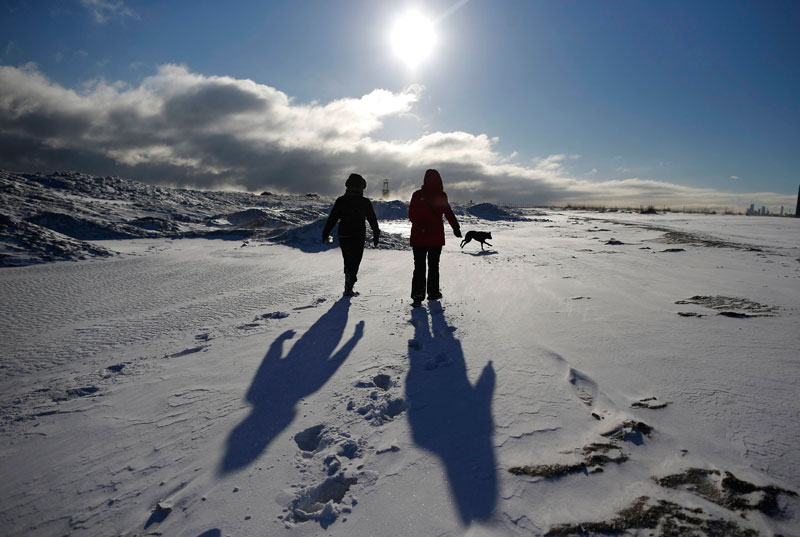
x=797, y=210
x=752, y=209
x=385, y=188
x=764, y=211
x=781, y=210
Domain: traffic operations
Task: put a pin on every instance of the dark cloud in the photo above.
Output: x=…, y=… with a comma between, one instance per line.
x=209, y=104
x=183, y=129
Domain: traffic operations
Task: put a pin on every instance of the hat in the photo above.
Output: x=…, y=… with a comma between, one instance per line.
x=355, y=182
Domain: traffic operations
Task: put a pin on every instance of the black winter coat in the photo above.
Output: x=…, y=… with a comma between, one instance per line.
x=352, y=209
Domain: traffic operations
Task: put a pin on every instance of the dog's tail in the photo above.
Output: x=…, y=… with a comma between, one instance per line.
x=463, y=243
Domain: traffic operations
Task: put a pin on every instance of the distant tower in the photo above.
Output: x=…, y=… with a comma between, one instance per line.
x=797, y=210
x=385, y=188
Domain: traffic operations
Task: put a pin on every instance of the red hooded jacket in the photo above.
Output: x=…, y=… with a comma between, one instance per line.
x=426, y=209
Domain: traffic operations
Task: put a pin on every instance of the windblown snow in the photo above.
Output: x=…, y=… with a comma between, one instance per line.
x=181, y=362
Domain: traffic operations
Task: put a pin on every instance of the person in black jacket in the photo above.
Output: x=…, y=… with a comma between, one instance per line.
x=351, y=210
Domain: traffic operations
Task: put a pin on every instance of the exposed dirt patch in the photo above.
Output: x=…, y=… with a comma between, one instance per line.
x=683, y=237
x=595, y=456
x=630, y=431
x=728, y=491
x=672, y=236
x=670, y=519
x=737, y=315
x=731, y=306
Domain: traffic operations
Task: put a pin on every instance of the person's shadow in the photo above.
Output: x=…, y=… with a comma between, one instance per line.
x=281, y=382
x=449, y=416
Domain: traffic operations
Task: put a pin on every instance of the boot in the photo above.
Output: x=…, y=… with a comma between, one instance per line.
x=349, y=281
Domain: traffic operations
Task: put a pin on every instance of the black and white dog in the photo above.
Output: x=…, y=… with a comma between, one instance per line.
x=479, y=236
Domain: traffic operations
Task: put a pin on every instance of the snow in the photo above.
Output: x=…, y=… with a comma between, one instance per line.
x=191, y=385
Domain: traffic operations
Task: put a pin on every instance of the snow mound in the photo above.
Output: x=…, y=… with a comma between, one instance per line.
x=154, y=223
x=24, y=243
x=88, y=208
x=252, y=218
x=489, y=211
x=61, y=205
x=391, y=210
x=308, y=238
x=83, y=229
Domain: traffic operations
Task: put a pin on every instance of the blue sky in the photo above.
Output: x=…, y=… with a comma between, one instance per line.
x=630, y=102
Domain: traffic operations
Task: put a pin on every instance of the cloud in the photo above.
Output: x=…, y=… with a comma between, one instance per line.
x=185, y=129
x=734, y=176
x=104, y=10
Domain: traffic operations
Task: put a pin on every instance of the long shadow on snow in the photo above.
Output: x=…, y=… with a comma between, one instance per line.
x=450, y=417
x=281, y=382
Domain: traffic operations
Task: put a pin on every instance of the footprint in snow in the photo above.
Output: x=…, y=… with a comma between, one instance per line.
x=184, y=352
x=651, y=403
x=314, y=304
x=586, y=390
x=378, y=406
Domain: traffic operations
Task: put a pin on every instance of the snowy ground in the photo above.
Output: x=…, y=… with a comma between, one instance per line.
x=204, y=387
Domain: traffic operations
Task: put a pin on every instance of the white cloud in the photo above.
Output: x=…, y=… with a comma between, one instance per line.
x=104, y=10
x=734, y=176
x=182, y=128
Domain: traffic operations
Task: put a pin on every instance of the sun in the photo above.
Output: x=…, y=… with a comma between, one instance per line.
x=413, y=38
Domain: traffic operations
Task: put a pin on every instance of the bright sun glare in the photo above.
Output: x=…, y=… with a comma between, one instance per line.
x=413, y=38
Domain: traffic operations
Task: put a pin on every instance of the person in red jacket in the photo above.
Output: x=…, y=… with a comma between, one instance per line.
x=425, y=211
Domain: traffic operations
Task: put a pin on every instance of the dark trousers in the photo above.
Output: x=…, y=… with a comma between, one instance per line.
x=352, y=252
x=418, y=282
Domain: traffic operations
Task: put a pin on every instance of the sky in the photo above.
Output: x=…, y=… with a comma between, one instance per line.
x=524, y=102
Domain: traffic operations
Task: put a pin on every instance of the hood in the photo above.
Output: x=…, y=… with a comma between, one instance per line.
x=432, y=182
x=355, y=183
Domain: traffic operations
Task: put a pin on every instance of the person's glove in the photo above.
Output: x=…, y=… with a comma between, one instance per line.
x=375, y=238
x=457, y=232
x=325, y=239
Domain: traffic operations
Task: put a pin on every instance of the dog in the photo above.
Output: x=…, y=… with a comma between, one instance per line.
x=479, y=236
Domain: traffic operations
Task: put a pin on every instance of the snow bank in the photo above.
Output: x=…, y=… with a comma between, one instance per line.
x=23, y=243
x=489, y=211
x=308, y=238
x=83, y=228
x=391, y=210
x=88, y=208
